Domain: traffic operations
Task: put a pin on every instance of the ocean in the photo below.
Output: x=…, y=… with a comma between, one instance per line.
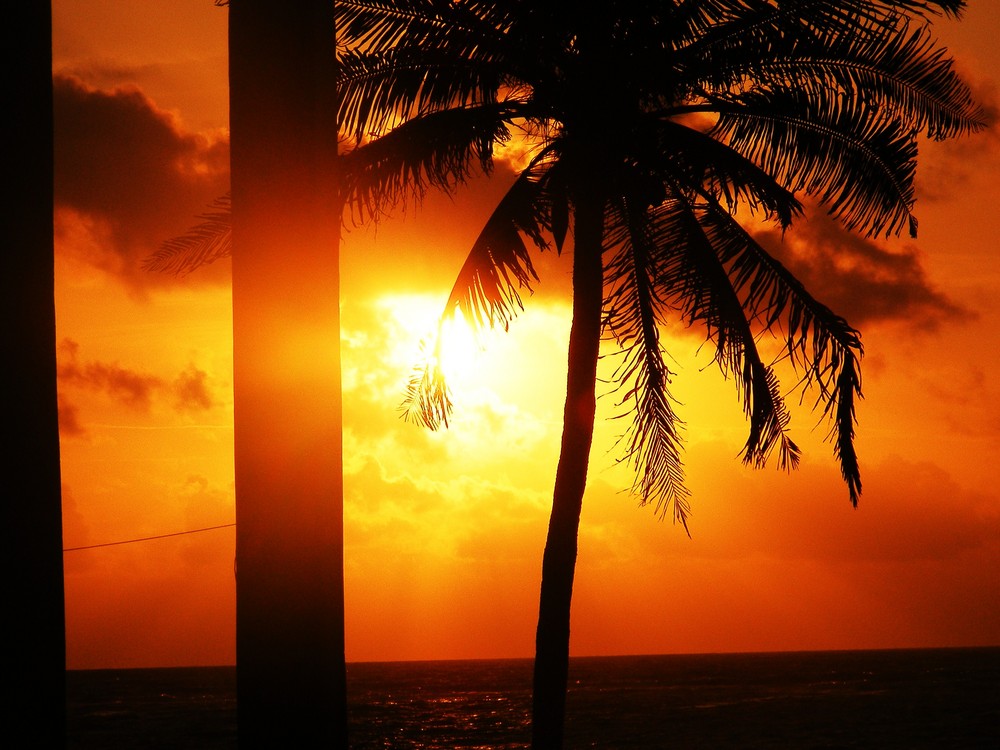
x=945, y=699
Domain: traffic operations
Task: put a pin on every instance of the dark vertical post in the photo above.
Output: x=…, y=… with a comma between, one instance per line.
x=287, y=383
x=35, y=619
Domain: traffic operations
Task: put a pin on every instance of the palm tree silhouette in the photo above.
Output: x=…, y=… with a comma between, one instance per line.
x=659, y=132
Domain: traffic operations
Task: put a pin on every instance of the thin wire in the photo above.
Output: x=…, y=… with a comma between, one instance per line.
x=149, y=538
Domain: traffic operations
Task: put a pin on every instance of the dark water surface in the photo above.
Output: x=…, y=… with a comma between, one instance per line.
x=946, y=699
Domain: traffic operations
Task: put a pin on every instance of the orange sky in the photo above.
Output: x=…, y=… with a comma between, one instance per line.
x=444, y=531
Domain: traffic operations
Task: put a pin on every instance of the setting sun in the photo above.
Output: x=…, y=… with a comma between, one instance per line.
x=449, y=342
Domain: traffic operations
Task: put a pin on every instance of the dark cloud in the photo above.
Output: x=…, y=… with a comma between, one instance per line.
x=128, y=387
x=192, y=391
x=135, y=390
x=859, y=278
x=69, y=419
x=131, y=168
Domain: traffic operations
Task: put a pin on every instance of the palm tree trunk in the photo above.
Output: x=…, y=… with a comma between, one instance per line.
x=559, y=560
x=291, y=685
x=35, y=656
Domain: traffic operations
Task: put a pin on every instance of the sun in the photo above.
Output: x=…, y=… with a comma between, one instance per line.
x=425, y=336
x=459, y=349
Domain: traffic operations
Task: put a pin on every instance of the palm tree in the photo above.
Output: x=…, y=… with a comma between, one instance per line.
x=32, y=517
x=291, y=679
x=660, y=131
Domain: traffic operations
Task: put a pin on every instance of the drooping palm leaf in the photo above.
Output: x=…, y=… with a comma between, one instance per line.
x=201, y=245
x=904, y=75
x=840, y=126
x=634, y=312
x=695, y=279
x=440, y=150
x=461, y=28
x=487, y=291
x=701, y=163
x=861, y=169
x=822, y=347
x=383, y=91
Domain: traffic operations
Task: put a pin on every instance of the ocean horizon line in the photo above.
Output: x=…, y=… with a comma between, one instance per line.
x=585, y=657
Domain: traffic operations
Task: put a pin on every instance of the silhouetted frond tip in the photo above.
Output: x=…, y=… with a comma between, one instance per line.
x=428, y=400
x=843, y=407
x=487, y=294
x=634, y=311
x=201, y=245
x=821, y=346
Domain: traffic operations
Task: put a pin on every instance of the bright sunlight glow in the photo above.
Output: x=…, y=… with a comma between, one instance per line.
x=417, y=317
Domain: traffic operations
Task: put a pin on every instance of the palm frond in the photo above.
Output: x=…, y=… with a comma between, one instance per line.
x=841, y=409
x=725, y=37
x=891, y=9
x=439, y=150
x=206, y=242
x=687, y=156
x=896, y=73
x=732, y=23
x=819, y=97
x=861, y=169
x=380, y=91
x=633, y=313
x=428, y=398
x=487, y=289
x=822, y=347
x=487, y=292
x=463, y=27
x=694, y=277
